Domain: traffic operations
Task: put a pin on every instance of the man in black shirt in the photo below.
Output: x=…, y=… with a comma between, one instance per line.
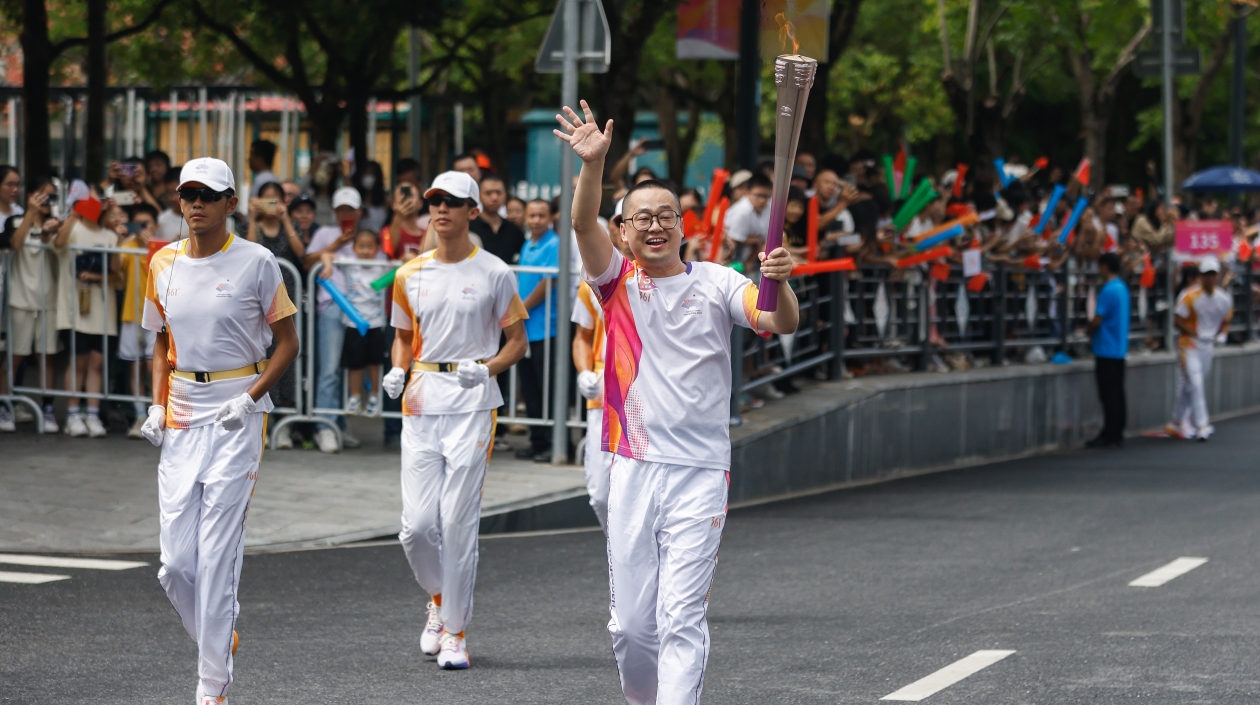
x=499, y=236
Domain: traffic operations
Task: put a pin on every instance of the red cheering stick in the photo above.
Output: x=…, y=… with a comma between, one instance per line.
x=844, y=264
x=958, y=180
x=719, y=231
x=934, y=253
x=1032, y=262
x=1147, y=280
x=715, y=196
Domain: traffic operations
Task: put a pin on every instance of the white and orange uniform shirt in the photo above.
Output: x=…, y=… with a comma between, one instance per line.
x=217, y=312
x=456, y=312
x=667, y=375
x=590, y=315
x=1205, y=313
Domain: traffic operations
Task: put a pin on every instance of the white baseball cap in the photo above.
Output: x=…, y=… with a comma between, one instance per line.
x=1209, y=263
x=347, y=196
x=457, y=184
x=214, y=173
x=738, y=178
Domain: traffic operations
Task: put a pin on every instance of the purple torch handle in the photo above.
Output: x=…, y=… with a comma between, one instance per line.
x=768, y=296
x=793, y=75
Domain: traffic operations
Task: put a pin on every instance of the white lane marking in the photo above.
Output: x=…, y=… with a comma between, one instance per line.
x=30, y=578
x=1159, y=576
x=948, y=676
x=55, y=562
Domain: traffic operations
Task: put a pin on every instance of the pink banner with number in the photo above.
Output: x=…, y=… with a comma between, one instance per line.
x=1199, y=237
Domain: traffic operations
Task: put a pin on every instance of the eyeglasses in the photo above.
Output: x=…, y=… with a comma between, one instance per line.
x=643, y=221
x=450, y=201
x=207, y=195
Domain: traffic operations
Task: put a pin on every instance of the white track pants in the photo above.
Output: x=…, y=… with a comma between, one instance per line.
x=664, y=526
x=443, y=467
x=597, y=464
x=1191, y=402
x=205, y=479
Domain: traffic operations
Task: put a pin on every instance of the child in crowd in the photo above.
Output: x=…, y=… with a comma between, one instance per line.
x=364, y=352
x=86, y=313
x=134, y=343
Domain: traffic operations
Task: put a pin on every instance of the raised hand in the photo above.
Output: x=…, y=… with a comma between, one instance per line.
x=584, y=136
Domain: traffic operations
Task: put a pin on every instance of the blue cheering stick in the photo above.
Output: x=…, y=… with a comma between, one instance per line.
x=1073, y=219
x=1001, y=170
x=940, y=237
x=344, y=304
x=1053, y=203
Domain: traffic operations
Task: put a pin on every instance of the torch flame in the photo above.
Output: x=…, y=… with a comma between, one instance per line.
x=786, y=32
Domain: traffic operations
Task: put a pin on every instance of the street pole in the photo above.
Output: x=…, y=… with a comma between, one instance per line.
x=1166, y=50
x=1239, y=90
x=748, y=85
x=562, y=349
x=201, y=123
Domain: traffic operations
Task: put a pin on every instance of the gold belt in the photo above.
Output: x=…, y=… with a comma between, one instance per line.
x=254, y=369
x=438, y=366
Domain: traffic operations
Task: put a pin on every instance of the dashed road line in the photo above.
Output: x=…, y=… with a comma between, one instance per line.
x=951, y=674
x=30, y=578
x=1159, y=576
x=62, y=562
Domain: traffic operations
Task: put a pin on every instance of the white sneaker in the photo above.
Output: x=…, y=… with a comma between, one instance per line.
x=454, y=653
x=134, y=431
x=95, y=428
x=327, y=441
x=431, y=639
x=6, y=420
x=352, y=406
x=373, y=406
x=22, y=414
x=284, y=438
x=75, y=426
x=1204, y=433
x=50, y=422
x=1182, y=431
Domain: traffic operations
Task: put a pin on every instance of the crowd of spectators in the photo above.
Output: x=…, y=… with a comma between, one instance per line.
x=61, y=298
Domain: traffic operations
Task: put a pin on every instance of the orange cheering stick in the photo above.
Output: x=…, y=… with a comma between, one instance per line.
x=719, y=230
x=715, y=197
x=844, y=264
x=811, y=230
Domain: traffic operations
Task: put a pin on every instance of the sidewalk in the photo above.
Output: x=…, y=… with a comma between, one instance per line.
x=82, y=494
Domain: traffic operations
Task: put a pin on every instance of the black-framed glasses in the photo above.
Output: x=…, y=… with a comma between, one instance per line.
x=643, y=221
x=449, y=200
x=207, y=195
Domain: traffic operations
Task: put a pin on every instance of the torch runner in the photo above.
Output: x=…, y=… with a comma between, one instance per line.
x=794, y=75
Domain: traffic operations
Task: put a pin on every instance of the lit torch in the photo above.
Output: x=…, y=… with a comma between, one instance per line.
x=794, y=75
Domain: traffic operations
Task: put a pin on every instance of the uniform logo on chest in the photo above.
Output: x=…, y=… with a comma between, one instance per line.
x=692, y=306
x=646, y=287
x=224, y=290
x=470, y=293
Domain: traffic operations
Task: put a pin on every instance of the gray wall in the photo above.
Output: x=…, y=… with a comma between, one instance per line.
x=841, y=433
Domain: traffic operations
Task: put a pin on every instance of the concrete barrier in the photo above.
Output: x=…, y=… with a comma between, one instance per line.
x=838, y=434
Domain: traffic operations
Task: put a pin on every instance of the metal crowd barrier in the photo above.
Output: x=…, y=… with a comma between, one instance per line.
x=310, y=360
x=901, y=313
x=873, y=312
x=18, y=393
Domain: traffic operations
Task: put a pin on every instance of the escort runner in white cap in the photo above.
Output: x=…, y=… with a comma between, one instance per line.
x=450, y=305
x=218, y=302
x=1202, y=315
x=667, y=388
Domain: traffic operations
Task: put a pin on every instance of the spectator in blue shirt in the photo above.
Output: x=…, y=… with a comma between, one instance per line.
x=1110, y=329
x=542, y=249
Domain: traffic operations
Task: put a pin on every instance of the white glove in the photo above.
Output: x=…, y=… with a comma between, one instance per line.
x=1222, y=338
x=155, y=425
x=590, y=385
x=232, y=414
x=472, y=374
x=394, y=382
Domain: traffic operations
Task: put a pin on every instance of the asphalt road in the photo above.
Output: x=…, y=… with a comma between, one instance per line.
x=840, y=598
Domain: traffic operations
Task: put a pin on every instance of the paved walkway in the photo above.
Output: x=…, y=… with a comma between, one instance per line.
x=79, y=494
